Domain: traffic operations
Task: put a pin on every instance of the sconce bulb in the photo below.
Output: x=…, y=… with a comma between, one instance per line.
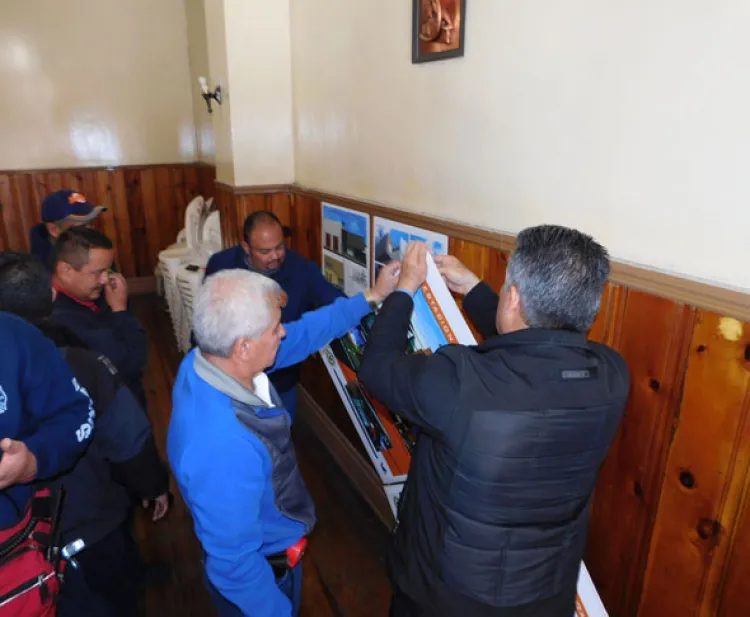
x=204, y=84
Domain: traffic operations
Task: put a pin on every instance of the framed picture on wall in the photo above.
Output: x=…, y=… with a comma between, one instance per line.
x=437, y=29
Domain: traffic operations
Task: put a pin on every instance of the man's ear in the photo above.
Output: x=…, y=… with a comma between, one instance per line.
x=53, y=230
x=243, y=349
x=63, y=270
x=245, y=247
x=514, y=299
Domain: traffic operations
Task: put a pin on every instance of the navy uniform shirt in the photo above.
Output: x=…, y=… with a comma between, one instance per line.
x=42, y=405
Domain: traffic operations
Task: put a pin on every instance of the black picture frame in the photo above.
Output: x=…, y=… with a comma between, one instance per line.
x=420, y=49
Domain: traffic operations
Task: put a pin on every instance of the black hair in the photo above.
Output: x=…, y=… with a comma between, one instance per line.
x=73, y=246
x=259, y=217
x=25, y=287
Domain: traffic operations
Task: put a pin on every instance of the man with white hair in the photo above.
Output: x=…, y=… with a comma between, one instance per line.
x=229, y=441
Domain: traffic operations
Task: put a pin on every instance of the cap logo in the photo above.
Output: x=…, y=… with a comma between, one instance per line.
x=76, y=198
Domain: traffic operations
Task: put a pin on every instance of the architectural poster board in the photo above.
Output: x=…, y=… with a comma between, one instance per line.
x=346, y=248
x=388, y=439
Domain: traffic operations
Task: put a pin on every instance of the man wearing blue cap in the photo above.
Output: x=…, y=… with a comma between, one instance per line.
x=61, y=210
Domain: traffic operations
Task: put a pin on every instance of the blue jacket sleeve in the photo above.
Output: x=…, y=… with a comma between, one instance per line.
x=315, y=329
x=229, y=527
x=62, y=409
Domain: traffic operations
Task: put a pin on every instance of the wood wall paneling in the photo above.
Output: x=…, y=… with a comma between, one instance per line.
x=706, y=477
x=306, y=226
x=146, y=206
x=235, y=204
x=651, y=334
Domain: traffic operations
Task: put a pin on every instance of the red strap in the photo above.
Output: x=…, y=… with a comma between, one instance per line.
x=295, y=552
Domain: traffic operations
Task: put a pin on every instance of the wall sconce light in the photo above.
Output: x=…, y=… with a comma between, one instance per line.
x=208, y=95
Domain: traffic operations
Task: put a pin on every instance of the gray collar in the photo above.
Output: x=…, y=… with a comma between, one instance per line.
x=214, y=376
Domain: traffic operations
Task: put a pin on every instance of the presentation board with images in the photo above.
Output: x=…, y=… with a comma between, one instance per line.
x=345, y=239
x=388, y=438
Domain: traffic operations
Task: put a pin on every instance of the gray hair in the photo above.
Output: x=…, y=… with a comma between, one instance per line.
x=232, y=304
x=560, y=275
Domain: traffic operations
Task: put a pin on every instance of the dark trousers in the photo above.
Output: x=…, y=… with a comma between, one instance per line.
x=106, y=582
x=403, y=606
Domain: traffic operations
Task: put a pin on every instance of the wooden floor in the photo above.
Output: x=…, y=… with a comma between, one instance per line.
x=344, y=572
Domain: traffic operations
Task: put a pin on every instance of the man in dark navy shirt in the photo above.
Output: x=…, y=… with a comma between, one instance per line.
x=92, y=301
x=264, y=251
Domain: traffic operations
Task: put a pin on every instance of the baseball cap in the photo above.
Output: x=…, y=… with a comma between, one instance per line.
x=69, y=205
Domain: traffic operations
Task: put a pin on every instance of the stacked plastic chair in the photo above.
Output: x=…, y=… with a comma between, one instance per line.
x=191, y=272
x=170, y=260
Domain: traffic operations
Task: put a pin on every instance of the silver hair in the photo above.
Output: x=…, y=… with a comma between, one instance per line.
x=232, y=304
x=560, y=275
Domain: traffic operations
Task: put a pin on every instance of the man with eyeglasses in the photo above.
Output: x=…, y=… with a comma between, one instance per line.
x=264, y=251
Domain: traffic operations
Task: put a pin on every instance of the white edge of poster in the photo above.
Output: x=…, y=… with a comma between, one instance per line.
x=448, y=304
x=377, y=459
x=393, y=492
x=588, y=596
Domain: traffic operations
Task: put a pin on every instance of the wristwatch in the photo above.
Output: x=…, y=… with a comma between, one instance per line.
x=374, y=305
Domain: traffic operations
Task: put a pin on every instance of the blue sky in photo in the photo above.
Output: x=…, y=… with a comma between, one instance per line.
x=397, y=236
x=353, y=223
x=437, y=248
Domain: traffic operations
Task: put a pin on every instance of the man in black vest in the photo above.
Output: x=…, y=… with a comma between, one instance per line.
x=494, y=515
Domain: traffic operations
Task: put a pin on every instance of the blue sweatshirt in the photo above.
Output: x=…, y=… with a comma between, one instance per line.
x=229, y=475
x=306, y=289
x=42, y=405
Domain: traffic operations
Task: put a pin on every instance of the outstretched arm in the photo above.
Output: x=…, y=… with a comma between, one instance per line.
x=315, y=329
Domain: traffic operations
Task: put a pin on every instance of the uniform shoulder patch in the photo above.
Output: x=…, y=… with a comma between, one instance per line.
x=108, y=363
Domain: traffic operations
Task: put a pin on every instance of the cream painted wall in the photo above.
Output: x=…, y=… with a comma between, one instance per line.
x=260, y=88
x=218, y=75
x=199, y=67
x=94, y=82
x=629, y=120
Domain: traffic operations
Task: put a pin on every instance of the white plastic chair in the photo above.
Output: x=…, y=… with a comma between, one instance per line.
x=170, y=260
x=191, y=272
